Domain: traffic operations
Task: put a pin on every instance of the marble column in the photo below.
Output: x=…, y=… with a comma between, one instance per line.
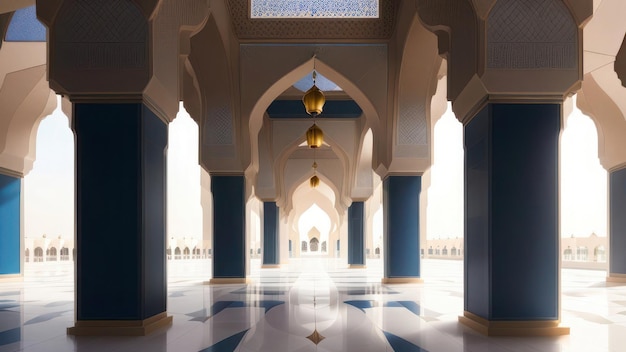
x=511, y=220
x=356, y=239
x=271, y=246
x=121, y=284
x=617, y=226
x=10, y=225
x=401, y=196
x=229, y=230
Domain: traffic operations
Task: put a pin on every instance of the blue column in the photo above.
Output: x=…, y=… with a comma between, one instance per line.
x=617, y=225
x=270, y=234
x=356, y=239
x=401, y=228
x=511, y=219
x=120, y=219
x=229, y=229
x=10, y=206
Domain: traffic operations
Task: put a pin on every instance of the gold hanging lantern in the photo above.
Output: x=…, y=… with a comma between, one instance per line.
x=314, y=181
x=313, y=99
x=314, y=136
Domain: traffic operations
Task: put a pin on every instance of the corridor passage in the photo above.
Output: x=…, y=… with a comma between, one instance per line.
x=312, y=304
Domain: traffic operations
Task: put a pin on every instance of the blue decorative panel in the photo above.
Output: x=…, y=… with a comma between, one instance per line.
x=524, y=223
x=356, y=238
x=401, y=226
x=332, y=109
x=314, y=9
x=617, y=208
x=25, y=27
x=120, y=198
x=511, y=239
x=270, y=233
x=154, y=137
x=229, y=234
x=10, y=190
x=476, y=239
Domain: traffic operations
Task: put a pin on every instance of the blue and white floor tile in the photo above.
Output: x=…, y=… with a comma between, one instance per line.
x=348, y=308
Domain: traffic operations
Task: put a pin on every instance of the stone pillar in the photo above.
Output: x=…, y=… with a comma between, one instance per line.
x=271, y=235
x=229, y=230
x=356, y=239
x=120, y=198
x=617, y=226
x=511, y=220
x=401, y=195
x=284, y=236
x=10, y=226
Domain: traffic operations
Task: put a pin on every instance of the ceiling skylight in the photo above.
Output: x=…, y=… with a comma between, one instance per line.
x=25, y=27
x=323, y=83
x=314, y=8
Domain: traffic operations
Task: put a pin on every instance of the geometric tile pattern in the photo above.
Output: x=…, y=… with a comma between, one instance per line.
x=313, y=9
x=101, y=34
x=247, y=27
x=531, y=34
x=350, y=308
x=412, y=124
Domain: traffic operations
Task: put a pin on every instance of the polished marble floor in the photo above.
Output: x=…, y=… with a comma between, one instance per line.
x=282, y=308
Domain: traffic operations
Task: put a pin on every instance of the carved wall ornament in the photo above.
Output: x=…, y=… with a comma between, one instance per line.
x=327, y=28
x=531, y=34
x=102, y=35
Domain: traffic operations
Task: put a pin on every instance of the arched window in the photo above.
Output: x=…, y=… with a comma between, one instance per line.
x=581, y=253
x=445, y=250
x=65, y=254
x=314, y=244
x=430, y=250
x=567, y=253
x=51, y=254
x=168, y=253
x=38, y=255
x=177, y=253
x=453, y=251
x=26, y=255
x=437, y=251
x=324, y=246
x=304, y=246
x=600, y=254
x=186, y=253
x=377, y=251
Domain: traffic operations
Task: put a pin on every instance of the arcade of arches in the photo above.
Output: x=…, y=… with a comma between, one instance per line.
x=123, y=68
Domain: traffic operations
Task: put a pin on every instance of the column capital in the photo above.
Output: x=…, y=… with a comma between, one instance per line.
x=500, y=50
x=118, y=48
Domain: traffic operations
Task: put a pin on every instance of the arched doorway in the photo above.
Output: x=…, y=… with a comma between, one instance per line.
x=314, y=244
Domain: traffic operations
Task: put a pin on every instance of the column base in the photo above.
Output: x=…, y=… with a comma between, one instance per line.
x=616, y=278
x=401, y=280
x=228, y=281
x=513, y=328
x=357, y=266
x=120, y=327
x=270, y=266
x=12, y=278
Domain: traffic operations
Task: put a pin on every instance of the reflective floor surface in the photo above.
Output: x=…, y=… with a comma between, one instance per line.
x=311, y=304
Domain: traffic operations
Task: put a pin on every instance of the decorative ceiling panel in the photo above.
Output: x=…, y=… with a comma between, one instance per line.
x=248, y=28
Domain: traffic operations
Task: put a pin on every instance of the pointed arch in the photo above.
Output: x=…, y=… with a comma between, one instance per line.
x=257, y=113
x=342, y=186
